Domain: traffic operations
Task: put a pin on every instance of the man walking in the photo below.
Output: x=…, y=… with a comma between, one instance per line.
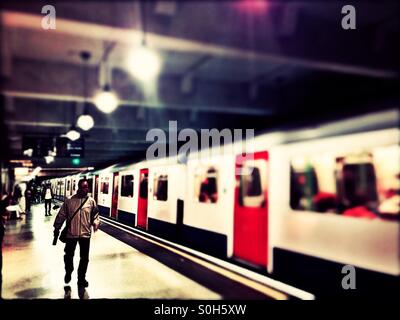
x=48, y=197
x=82, y=214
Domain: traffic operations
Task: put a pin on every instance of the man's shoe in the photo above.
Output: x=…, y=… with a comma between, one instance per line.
x=82, y=293
x=67, y=292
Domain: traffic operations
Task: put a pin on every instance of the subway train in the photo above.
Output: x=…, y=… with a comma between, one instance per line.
x=297, y=205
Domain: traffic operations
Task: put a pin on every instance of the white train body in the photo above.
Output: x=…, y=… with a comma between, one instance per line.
x=300, y=189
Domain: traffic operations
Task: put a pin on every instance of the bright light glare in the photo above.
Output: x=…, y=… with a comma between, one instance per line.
x=28, y=152
x=144, y=64
x=252, y=6
x=85, y=122
x=36, y=171
x=106, y=101
x=49, y=159
x=73, y=135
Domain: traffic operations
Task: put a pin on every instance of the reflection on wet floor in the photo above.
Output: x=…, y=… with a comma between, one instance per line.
x=34, y=268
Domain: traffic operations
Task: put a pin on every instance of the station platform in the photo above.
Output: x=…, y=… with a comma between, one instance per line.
x=123, y=265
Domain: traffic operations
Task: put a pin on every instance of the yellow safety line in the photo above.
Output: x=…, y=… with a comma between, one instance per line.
x=228, y=274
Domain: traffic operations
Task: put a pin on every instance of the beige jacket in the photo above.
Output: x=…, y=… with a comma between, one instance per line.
x=83, y=220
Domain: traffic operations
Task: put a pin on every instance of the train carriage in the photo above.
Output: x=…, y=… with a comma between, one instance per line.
x=298, y=204
x=166, y=188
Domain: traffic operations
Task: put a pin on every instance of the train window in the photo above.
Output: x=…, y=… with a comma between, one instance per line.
x=253, y=185
x=143, y=185
x=90, y=183
x=68, y=185
x=104, y=187
x=206, y=184
x=127, y=186
x=161, y=188
x=364, y=184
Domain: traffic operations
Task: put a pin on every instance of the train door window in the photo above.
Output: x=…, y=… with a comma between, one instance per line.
x=253, y=184
x=104, y=186
x=90, y=183
x=361, y=184
x=161, y=188
x=206, y=184
x=143, y=186
x=68, y=185
x=73, y=185
x=127, y=186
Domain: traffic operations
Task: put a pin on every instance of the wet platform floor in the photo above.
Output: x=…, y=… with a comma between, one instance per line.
x=34, y=268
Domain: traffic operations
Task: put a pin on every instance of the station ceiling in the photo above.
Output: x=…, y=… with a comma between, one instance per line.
x=226, y=64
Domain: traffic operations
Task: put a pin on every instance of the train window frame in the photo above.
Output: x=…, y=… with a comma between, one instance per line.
x=123, y=189
x=104, y=183
x=90, y=183
x=156, y=187
x=202, y=177
x=144, y=191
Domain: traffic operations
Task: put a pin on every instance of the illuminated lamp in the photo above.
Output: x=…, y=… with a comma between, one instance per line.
x=85, y=122
x=106, y=101
x=73, y=134
x=144, y=64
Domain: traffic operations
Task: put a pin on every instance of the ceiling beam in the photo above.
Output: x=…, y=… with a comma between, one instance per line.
x=138, y=103
x=20, y=123
x=14, y=19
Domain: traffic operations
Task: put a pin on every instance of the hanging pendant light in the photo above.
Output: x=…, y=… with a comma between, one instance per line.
x=85, y=120
x=143, y=62
x=73, y=134
x=106, y=100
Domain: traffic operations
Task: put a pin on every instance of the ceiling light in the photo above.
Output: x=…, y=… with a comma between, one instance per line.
x=85, y=122
x=144, y=64
x=49, y=159
x=73, y=135
x=106, y=101
x=28, y=152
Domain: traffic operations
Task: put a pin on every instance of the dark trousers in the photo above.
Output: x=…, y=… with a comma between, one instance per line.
x=84, y=245
x=47, y=202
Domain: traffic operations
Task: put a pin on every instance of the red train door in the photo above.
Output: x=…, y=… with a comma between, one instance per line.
x=96, y=188
x=250, y=238
x=142, y=203
x=114, y=201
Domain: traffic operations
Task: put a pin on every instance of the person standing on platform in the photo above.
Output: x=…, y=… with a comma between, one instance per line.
x=28, y=199
x=81, y=215
x=48, y=197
